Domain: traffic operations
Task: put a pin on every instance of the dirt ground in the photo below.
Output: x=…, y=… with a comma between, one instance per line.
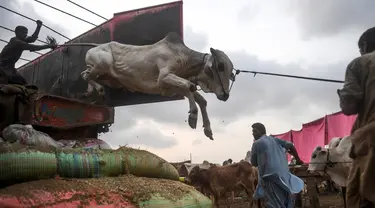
x=326, y=201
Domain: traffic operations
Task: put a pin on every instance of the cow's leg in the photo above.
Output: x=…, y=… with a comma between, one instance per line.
x=202, y=103
x=249, y=193
x=343, y=193
x=90, y=75
x=226, y=200
x=168, y=80
x=216, y=199
x=90, y=87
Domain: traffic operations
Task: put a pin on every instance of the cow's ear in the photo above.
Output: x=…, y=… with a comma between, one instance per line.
x=213, y=51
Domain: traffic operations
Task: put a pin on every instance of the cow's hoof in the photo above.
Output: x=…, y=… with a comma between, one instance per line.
x=193, y=119
x=193, y=88
x=84, y=95
x=101, y=95
x=208, y=133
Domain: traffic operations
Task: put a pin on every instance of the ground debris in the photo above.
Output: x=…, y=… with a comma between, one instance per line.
x=135, y=189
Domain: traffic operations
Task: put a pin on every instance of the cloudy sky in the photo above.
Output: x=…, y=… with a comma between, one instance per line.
x=305, y=38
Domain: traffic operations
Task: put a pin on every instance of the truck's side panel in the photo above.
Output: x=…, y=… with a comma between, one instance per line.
x=58, y=72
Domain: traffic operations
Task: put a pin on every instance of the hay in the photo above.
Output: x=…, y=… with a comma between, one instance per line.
x=142, y=188
x=135, y=189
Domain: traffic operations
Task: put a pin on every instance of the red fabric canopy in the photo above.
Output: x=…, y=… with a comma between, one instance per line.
x=339, y=125
x=311, y=135
x=318, y=132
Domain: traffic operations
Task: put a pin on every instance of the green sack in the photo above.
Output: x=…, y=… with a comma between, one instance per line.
x=24, y=162
x=146, y=164
x=82, y=163
x=27, y=166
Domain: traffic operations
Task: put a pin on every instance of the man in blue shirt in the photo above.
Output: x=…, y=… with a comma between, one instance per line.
x=276, y=183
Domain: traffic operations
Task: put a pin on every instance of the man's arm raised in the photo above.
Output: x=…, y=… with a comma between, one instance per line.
x=34, y=36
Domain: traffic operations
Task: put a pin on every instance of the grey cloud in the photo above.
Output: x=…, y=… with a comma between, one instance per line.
x=317, y=19
x=147, y=135
x=196, y=142
x=196, y=41
x=248, y=12
x=11, y=20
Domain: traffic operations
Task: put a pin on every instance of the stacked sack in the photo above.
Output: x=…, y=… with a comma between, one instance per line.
x=124, y=177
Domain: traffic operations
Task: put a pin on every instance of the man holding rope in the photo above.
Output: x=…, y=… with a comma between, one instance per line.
x=276, y=183
x=12, y=52
x=358, y=97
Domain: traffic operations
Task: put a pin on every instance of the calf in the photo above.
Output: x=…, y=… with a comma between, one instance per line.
x=334, y=161
x=220, y=180
x=167, y=67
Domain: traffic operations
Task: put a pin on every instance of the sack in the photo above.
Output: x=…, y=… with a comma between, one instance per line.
x=27, y=166
x=26, y=135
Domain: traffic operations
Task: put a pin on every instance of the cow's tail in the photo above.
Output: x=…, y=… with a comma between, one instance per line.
x=80, y=44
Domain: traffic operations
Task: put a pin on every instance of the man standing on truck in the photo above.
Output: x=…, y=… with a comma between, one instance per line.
x=12, y=52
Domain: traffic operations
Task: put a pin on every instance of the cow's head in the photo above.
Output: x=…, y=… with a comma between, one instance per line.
x=196, y=176
x=319, y=158
x=217, y=75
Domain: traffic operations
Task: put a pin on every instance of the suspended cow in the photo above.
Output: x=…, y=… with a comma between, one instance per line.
x=167, y=67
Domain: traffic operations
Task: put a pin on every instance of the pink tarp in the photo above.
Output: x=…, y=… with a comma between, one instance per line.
x=312, y=135
x=318, y=132
x=339, y=125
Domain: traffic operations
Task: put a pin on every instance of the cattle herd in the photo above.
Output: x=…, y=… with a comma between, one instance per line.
x=224, y=182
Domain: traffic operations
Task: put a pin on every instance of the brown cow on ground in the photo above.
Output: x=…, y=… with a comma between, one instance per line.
x=222, y=179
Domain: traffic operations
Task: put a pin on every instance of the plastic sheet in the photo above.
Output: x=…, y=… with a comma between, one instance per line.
x=28, y=136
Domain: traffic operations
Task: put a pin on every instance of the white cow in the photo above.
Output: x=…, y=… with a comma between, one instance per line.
x=167, y=67
x=333, y=161
x=337, y=151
